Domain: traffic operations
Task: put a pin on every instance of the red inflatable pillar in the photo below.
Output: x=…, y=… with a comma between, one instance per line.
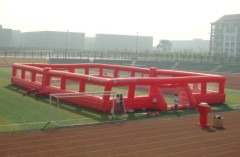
x=100, y=72
x=45, y=80
x=63, y=83
x=203, y=109
x=132, y=73
x=14, y=71
x=192, y=100
x=131, y=90
x=71, y=70
x=108, y=88
x=221, y=87
x=23, y=74
x=86, y=71
x=33, y=77
x=115, y=74
x=153, y=72
x=82, y=86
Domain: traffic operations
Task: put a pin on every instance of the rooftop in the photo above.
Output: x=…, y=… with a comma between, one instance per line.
x=228, y=18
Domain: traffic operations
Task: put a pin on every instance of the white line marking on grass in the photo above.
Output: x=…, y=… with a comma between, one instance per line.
x=23, y=124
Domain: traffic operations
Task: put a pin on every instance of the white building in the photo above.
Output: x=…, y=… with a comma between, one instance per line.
x=53, y=40
x=5, y=37
x=225, y=35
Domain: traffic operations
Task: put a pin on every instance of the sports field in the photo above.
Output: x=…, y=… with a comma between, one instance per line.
x=25, y=131
x=20, y=113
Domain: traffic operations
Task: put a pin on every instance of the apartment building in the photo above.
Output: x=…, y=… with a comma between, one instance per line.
x=225, y=36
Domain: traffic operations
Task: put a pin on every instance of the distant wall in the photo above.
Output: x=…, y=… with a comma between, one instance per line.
x=5, y=37
x=108, y=42
x=53, y=40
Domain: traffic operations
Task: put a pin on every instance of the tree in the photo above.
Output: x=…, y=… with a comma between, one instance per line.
x=164, y=45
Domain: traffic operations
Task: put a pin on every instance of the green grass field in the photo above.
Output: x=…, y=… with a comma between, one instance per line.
x=22, y=113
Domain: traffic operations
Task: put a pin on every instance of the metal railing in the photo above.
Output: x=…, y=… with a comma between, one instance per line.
x=115, y=55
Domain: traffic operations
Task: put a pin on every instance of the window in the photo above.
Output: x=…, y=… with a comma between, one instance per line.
x=39, y=77
x=93, y=71
x=120, y=90
x=72, y=85
x=142, y=90
x=124, y=74
x=80, y=71
x=92, y=87
x=226, y=50
x=108, y=73
x=18, y=73
x=227, y=44
x=28, y=75
x=232, y=30
x=226, y=38
x=195, y=87
x=55, y=81
x=227, y=30
x=212, y=87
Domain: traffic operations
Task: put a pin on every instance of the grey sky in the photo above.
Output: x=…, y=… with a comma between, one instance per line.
x=162, y=19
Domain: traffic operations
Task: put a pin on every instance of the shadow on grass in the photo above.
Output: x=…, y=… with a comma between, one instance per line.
x=22, y=91
x=221, y=108
x=76, y=109
x=83, y=111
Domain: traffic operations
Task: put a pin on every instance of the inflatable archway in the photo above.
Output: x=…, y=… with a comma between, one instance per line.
x=157, y=85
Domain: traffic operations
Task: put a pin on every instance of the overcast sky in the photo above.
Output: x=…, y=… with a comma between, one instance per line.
x=162, y=19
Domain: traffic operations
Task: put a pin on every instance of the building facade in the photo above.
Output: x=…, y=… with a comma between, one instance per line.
x=225, y=36
x=53, y=40
x=112, y=42
x=5, y=37
x=74, y=41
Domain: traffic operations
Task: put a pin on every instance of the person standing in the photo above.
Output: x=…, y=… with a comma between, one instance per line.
x=117, y=103
x=121, y=103
x=176, y=101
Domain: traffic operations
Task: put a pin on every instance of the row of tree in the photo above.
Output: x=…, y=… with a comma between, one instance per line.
x=164, y=46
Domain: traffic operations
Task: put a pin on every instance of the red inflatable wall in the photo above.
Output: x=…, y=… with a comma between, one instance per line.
x=193, y=88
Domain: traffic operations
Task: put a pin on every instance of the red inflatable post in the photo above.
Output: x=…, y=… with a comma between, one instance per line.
x=152, y=72
x=33, y=76
x=63, y=84
x=115, y=74
x=100, y=72
x=82, y=86
x=23, y=74
x=45, y=80
x=203, y=109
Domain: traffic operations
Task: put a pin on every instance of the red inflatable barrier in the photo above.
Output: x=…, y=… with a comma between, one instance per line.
x=143, y=88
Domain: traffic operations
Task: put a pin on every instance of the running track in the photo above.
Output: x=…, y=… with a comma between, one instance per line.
x=163, y=137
